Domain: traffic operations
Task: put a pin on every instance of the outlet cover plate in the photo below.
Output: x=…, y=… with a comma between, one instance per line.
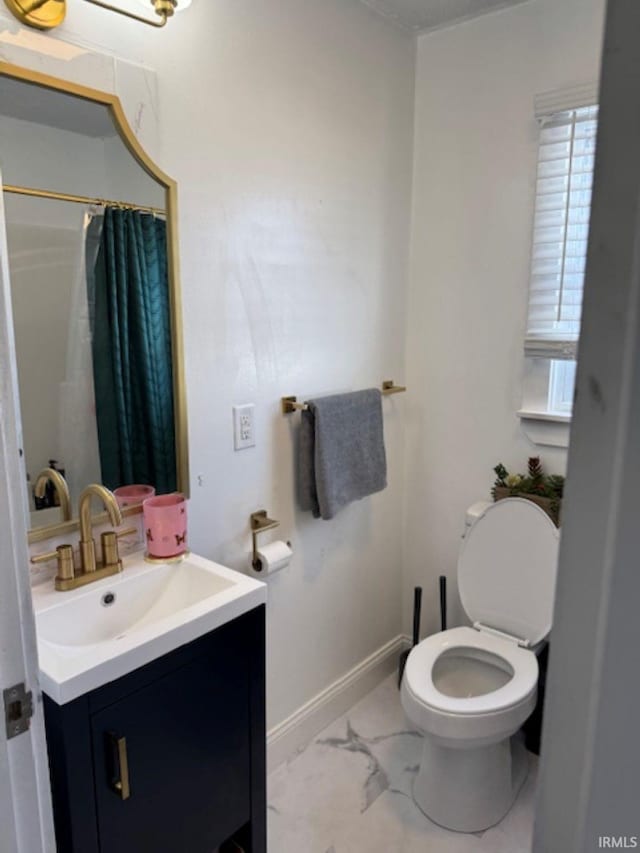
x=243, y=426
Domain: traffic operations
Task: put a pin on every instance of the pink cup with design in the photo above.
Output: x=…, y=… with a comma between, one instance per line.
x=165, y=524
x=133, y=495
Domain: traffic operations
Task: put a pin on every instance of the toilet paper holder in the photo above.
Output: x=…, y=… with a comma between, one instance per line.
x=260, y=523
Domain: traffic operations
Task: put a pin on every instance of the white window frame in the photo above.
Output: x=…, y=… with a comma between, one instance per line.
x=545, y=420
x=562, y=381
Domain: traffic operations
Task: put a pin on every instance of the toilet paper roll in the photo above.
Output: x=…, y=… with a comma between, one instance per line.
x=272, y=557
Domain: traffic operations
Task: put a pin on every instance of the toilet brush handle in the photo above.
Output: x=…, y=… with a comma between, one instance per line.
x=443, y=603
x=417, y=606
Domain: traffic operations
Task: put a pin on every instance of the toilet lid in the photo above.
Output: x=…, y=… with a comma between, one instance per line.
x=507, y=569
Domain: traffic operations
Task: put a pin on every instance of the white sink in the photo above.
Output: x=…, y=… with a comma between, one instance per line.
x=95, y=634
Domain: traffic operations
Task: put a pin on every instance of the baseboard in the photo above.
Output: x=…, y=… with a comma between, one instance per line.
x=297, y=730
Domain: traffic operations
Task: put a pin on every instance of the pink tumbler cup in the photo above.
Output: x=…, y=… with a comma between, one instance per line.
x=133, y=495
x=165, y=524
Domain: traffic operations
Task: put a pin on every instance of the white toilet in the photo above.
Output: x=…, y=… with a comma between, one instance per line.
x=469, y=690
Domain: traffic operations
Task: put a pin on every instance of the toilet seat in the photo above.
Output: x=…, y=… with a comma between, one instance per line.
x=507, y=570
x=418, y=676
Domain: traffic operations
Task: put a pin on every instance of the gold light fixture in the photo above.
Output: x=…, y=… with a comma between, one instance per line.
x=43, y=15
x=47, y=14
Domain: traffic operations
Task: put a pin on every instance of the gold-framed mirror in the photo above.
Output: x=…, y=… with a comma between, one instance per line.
x=91, y=228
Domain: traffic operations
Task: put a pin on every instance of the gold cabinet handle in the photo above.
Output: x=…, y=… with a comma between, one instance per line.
x=120, y=779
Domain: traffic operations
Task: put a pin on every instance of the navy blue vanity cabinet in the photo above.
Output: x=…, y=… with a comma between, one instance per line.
x=169, y=758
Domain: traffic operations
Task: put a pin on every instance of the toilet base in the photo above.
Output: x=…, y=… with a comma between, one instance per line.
x=469, y=790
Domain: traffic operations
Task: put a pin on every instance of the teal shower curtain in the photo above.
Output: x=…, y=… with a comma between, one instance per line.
x=131, y=348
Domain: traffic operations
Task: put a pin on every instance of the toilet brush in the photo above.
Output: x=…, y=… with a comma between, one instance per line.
x=417, y=604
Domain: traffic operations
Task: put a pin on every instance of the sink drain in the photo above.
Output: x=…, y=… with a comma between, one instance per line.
x=108, y=598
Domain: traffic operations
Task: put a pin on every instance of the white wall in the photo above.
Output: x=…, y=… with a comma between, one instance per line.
x=43, y=263
x=295, y=207
x=288, y=126
x=474, y=182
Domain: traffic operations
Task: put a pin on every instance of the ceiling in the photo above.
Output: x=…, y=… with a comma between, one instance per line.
x=423, y=15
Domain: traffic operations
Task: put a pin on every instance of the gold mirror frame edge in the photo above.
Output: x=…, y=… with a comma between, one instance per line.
x=112, y=102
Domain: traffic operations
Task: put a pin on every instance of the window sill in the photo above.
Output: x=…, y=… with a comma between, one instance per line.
x=549, y=429
x=553, y=417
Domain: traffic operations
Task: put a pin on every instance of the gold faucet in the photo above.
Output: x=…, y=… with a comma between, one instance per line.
x=88, y=563
x=59, y=484
x=90, y=570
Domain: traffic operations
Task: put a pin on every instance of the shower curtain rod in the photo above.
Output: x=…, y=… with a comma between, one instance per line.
x=80, y=199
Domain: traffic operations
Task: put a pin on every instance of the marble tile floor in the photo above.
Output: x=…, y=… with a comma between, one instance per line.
x=349, y=791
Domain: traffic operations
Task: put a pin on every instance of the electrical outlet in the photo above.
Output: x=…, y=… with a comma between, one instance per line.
x=243, y=433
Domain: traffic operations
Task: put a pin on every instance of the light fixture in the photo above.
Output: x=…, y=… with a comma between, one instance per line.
x=47, y=14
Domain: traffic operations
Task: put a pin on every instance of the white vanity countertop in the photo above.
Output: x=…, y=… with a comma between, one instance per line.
x=84, y=643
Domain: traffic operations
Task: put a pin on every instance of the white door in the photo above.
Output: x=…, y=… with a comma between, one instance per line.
x=25, y=803
x=589, y=796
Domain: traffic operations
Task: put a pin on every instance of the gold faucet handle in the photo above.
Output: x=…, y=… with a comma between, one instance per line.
x=110, y=556
x=64, y=555
x=128, y=532
x=44, y=558
x=109, y=540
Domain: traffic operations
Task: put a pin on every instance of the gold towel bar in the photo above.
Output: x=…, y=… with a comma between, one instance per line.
x=389, y=387
x=290, y=404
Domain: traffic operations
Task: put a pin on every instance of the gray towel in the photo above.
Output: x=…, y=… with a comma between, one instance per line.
x=341, y=451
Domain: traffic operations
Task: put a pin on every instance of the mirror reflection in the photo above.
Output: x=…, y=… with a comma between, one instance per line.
x=91, y=295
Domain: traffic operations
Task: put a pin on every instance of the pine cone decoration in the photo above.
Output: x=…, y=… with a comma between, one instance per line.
x=535, y=469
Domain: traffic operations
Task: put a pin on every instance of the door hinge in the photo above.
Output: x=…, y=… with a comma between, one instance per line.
x=18, y=709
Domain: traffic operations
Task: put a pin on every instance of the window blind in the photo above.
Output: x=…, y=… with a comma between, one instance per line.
x=560, y=232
